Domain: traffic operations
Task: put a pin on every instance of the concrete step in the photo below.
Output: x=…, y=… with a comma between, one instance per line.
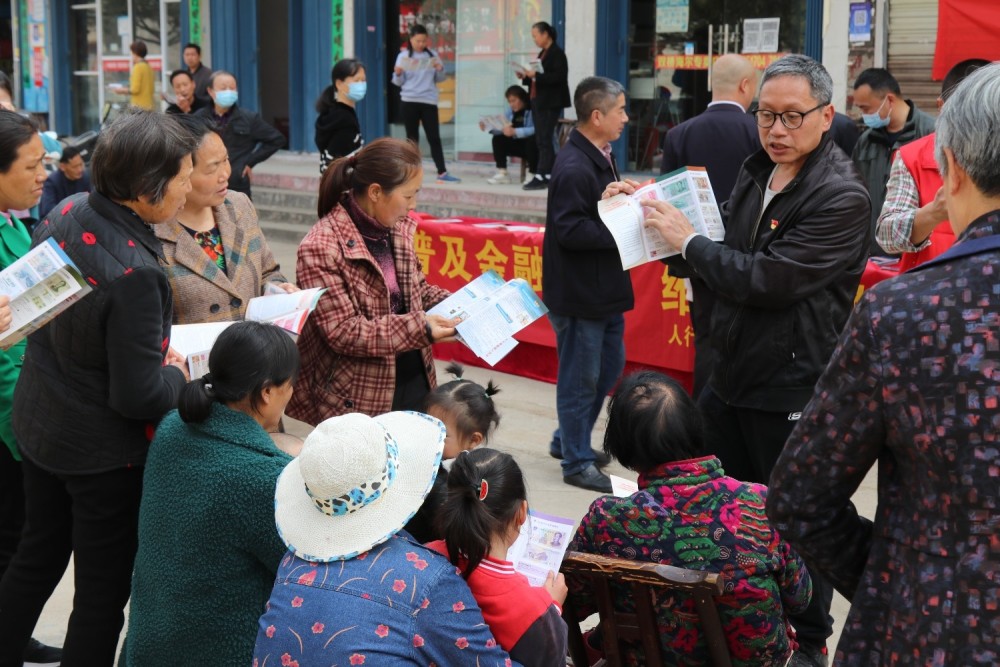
x=286, y=187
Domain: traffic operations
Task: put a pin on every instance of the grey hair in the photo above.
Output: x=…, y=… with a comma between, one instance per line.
x=216, y=74
x=138, y=154
x=969, y=125
x=595, y=92
x=820, y=83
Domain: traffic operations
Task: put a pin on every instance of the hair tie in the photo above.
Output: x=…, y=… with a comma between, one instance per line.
x=352, y=161
x=207, y=381
x=484, y=489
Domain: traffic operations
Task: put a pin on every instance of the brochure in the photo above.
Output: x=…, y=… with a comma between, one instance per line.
x=42, y=284
x=496, y=122
x=419, y=64
x=520, y=67
x=688, y=189
x=288, y=311
x=194, y=342
x=492, y=311
x=540, y=547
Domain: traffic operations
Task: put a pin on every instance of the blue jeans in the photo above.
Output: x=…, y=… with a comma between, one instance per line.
x=591, y=359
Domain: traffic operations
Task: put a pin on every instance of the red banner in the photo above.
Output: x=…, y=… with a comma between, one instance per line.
x=699, y=61
x=658, y=330
x=966, y=29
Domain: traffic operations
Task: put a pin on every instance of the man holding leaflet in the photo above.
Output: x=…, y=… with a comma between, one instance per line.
x=584, y=287
x=784, y=278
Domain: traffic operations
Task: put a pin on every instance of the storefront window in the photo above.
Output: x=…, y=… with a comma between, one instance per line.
x=477, y=40
x=669, y=58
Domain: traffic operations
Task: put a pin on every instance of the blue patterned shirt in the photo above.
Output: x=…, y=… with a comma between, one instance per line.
x=398, y=604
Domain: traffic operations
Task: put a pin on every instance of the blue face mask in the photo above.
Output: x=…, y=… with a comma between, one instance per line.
x=874, y=120
x=356, y=90
x=226, y=98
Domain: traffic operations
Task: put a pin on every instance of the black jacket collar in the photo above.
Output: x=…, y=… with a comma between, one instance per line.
x=126, y=219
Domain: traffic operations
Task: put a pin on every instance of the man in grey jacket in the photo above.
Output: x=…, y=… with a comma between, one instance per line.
x=892, y=122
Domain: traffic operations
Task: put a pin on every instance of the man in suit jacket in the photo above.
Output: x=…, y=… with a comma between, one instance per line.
x=913, y=385
x=719, y=139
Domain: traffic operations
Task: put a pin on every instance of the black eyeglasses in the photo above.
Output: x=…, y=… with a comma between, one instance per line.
x=790, y=119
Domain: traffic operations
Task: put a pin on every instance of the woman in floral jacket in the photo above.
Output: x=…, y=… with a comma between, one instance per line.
x=367, y=347
x=687, y=513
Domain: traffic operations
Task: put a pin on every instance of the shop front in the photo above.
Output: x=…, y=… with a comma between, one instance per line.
x=671, y=45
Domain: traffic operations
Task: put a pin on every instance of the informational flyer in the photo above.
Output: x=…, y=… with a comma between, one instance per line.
x=42, y=284
x=688, y=189
x=492, y=311
x=540, y=547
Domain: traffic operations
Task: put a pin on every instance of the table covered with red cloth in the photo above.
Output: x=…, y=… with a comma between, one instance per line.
x=453, y=251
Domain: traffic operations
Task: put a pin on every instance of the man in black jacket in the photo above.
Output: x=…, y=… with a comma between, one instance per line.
x=583, y=284
x=719, y=139
x=785, y=277
x=249, y=138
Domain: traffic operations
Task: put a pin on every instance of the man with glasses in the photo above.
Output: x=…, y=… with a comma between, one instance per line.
x=798, y=228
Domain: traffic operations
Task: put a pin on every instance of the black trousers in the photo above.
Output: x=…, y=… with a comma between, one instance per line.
x=417, y=113
x=748, y=443
x=545, y=129
x=95, y=518
x=11, y=506
x=504, y=147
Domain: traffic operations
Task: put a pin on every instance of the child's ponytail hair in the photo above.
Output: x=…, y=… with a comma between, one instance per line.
x=468, y=402
x=485, y=492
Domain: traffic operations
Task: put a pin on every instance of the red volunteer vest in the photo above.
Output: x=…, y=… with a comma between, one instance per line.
x=918, y=156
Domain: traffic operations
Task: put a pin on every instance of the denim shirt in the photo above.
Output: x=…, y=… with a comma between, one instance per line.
x=399, y=603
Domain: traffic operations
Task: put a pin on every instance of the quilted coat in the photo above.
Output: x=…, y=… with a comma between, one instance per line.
x=93, y=385
x=349, y=344
x=203, y=292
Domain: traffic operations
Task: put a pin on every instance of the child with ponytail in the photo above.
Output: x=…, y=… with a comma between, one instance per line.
x=480, y=519
x=470, y=416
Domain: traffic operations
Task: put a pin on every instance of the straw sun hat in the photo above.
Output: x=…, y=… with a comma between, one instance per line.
x=357, y=481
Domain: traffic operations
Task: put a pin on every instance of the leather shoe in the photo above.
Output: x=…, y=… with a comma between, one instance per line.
x=601, y=459
x=37, y=653
x=590, y=478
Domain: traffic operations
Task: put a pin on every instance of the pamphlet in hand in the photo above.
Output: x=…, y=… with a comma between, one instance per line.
x=419, y=64
x=288, y=311
x=194, y=342
x=540, y=547
x=42, y=284
x=497, y=122
x=492, y=311
x=520, y=67
x=688, y=189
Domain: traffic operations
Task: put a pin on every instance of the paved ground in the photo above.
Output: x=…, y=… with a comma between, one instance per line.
x=527, y=409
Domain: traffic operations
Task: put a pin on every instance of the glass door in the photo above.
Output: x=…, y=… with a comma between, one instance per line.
x=673, y=43
x=84, y=38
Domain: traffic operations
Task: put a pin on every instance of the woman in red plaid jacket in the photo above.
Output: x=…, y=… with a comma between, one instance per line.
x=367, y=346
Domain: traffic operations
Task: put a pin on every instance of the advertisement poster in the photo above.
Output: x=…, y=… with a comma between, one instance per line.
x=34, y=68
x=672, y=16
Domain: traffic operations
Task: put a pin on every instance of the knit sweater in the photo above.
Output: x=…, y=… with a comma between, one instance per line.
x=208, y=546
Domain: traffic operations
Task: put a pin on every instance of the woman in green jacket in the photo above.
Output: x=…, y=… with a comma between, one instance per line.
x=208, y=546
x=22, y=177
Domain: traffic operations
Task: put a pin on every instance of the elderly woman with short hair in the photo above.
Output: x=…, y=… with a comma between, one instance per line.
x=914, y=387
x=94, y=385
